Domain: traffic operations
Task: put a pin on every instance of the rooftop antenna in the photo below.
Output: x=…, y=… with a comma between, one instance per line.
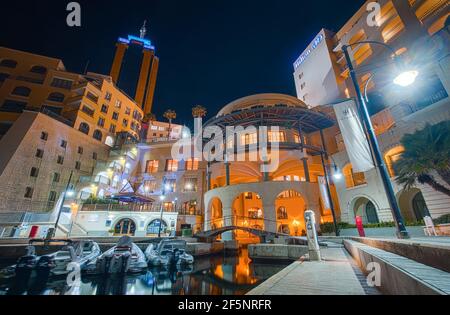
x=143, y=30
x=87, y=66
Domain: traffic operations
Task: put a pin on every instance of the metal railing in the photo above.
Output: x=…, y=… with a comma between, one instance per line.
x=237, y=221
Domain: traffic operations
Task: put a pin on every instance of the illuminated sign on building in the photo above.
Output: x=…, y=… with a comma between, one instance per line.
x=305, y=55
x=147, y=44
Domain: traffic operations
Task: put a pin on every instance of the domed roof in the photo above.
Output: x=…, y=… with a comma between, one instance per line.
x=261, y=100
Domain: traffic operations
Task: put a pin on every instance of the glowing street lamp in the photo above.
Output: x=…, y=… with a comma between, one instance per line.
x=337, y=174
x=406, y=78
x=161, y=198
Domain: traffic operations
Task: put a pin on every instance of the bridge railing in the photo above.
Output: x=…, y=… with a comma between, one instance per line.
x=239, y=221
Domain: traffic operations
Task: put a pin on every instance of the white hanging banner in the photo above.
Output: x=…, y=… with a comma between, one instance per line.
x=324, y=192
x=355, y=141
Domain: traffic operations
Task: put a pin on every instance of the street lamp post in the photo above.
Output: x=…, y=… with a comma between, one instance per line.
x=62, y=204
x=161, y=214
x=401, y=229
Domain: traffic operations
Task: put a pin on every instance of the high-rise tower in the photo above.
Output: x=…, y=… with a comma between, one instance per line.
x=145, y=89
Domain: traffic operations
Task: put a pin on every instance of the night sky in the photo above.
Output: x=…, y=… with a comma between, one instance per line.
x=211, y=52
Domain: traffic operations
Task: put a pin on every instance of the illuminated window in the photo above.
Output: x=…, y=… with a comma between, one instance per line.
x=276, y=136
x=152, y=166
x=190, y=184
x=192, y=165
x=248, y=139
x=169, y=206
x=171, y=165
x=392, y=29
x=118, y=104
x=150, y=186
x=282, y=214
x=353, y=179
x=429, y=7
x=438, y=25
x=170, y=185
x=388, y=12
x=363, y=52
x=190, y=207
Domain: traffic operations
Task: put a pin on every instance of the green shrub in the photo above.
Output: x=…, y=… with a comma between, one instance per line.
x=329, y=227
x=442, y=219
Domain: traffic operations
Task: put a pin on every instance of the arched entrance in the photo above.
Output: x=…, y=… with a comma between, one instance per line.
x=290, y=208
x=154, y=227
x=366, y=209
x=249, y=213
x=248, y=209
x=125, y=227
x=413, y=205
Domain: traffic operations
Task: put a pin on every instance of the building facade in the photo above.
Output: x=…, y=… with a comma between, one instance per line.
x=418, y=34
x=90, y=103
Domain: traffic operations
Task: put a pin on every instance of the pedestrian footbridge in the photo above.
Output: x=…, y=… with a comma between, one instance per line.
x=214, y=228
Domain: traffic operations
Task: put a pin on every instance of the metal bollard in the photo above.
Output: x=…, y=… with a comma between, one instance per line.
x=311, y=233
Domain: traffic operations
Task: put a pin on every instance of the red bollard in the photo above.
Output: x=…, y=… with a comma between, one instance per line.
x=359, y=226
x=34, y=231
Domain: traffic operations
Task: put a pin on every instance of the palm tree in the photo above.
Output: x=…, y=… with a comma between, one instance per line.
x=150, y=117
x=170, y=115
x=426, y=152
x=199, y=111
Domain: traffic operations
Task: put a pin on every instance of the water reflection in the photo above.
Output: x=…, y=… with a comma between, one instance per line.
x=217, y=275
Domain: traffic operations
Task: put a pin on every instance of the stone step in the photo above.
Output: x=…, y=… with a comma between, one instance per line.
x=400, y=275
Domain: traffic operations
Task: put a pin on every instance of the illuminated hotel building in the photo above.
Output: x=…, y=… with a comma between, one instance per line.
x=145, y=89
x=418, y=32
x=90, y=103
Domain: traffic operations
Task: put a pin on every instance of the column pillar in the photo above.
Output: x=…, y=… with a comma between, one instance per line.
x=227, y=173
x=270, y=217
x=304, y=156
x=266, y=176
x=151, y=86
x=208, y=177
x=228, y=220
x=143, y=76
x=118, y=61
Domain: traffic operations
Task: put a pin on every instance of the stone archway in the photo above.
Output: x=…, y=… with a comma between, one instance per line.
x=412, y=205
x=290, y=207
x=215, y=211
x=365, y=208
x=248, y=212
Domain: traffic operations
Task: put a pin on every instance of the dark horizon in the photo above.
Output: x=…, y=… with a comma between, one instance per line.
x=211, y=52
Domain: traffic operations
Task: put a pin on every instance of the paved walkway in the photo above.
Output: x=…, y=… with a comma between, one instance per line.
x=335, y=275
